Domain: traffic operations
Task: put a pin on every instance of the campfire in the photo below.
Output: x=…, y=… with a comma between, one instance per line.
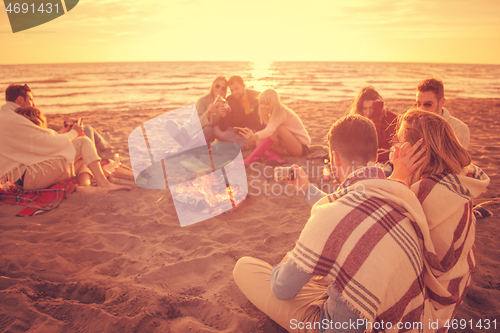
x=203, y=181
x=209, y=195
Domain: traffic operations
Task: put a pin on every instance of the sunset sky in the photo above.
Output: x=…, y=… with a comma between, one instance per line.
x=444, y=31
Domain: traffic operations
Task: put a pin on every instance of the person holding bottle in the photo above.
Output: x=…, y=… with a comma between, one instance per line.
x=207, y=107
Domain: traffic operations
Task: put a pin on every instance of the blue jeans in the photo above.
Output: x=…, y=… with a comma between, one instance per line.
x=229, y=136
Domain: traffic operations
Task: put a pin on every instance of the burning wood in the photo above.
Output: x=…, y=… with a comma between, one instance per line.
x=205, y=194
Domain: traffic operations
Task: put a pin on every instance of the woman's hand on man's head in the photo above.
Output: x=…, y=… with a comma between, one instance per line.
x=407, y=159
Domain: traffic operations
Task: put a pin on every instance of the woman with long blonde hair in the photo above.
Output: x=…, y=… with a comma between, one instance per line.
x=444, y=154
x=284, y=131
x=429, y=159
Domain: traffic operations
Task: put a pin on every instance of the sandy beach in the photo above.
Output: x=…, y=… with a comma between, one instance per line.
x=120, y=262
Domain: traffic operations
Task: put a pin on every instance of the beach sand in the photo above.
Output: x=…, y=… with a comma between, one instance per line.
x=120, y=262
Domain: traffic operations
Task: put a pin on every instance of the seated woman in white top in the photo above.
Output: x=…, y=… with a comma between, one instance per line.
x=55, y=170
x=284, y=131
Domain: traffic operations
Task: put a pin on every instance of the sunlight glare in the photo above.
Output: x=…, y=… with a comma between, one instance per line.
x=262, y=76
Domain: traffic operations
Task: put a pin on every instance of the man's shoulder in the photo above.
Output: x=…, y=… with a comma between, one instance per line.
x=454, y=122
x=252, y=94
x=8, y=114
x=231, y=99
x=448, y=117
x=458, y=122
x=357, y=192
x=365, y=197
x=9, y=106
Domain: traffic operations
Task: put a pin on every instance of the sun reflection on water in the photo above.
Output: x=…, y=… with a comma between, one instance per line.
x=262, y=76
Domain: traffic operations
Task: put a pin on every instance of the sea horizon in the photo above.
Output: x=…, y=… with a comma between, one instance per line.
x=218, y=61
x=97, y=86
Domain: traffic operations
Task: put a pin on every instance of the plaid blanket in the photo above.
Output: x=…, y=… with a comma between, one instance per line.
x=449, y=241
x=39, y=201
x=362, y=239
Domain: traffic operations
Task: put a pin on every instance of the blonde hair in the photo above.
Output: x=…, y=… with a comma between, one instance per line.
x=35, y=115
x=278, y=112
x=211, y=92
x=444, y=153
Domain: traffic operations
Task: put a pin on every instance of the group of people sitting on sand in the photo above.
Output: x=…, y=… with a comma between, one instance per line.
x=379, y=254
x=261, y=121
x=251, y=119
x=34, y=157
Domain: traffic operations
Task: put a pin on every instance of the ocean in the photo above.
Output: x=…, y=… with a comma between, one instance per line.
x=67, y=88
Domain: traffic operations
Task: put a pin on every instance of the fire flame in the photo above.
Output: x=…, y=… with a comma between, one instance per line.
x=204, y=187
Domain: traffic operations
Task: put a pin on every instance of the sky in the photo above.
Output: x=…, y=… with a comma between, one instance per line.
x=444, y=31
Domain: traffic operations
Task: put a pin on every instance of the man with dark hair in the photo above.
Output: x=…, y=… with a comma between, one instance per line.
x=244, y=105
x=19, y=94
x=360, y=151
x=35, y=157
x=358, y=262
x=430, y=97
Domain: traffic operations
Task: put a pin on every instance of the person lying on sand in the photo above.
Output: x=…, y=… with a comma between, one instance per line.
x=358, y=259
x=37, y=157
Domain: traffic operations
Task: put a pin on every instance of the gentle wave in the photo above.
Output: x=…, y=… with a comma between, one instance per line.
x=66, y=88
x=49, y=81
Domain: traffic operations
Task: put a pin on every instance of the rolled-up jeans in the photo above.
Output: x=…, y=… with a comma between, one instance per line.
x=49, y=172
x=93, y=134
x=253, y=277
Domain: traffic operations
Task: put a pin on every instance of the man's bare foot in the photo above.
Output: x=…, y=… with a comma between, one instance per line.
x=91, y=189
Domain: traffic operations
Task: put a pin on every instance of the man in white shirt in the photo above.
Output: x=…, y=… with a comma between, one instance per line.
x=430, y=97
x=35, y=157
